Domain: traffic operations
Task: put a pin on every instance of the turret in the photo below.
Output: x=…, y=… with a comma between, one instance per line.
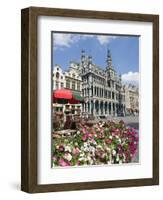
x=82, y=57
x=109, y=60
x=89, y=60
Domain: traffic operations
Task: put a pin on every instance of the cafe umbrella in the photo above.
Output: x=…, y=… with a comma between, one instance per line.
x=67, y=96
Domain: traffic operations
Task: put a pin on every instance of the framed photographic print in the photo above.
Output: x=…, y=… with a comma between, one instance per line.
x=90, y=99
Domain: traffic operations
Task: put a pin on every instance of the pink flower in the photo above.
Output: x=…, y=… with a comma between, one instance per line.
x=54, y=158
x=61, y=148
x=63, y=163
x=108, y=141
x=84, y=130
x=84, y=138
x=76, y=151
x=78, y=162
x=116, y=131
x=89, y=135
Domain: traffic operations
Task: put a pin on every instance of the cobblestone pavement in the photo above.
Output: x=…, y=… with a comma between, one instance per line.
x=132, y=121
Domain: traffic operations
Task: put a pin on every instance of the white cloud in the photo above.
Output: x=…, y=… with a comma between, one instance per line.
x=131, y=77
x=104, y=39
x=64, y=40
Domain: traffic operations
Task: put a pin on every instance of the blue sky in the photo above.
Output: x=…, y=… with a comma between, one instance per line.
x=124, y=50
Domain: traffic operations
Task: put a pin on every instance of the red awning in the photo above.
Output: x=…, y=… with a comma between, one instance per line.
x=62, y=94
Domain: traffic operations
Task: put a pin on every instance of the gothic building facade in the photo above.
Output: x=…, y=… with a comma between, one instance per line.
x=101, y=88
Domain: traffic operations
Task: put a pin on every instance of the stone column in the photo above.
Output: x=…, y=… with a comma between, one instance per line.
x=108, y=108
x=90, y=107
x=116, y=110
x=124, y=113
x=93, y=107
x=111, y=108
x=86, y=108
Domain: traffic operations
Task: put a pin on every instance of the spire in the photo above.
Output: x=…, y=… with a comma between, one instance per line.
x=82, y=56
x=89, y=59
x=109, y=59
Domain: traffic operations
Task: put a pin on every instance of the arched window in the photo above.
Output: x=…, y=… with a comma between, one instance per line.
x=57, y=75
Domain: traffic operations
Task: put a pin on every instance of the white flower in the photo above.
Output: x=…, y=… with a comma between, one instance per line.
x=76, y=144
x=91, y=161
x=85, y=159
x=82, y=155
x=86, y=149
x=81, y=159
x=68, y=148
x=108, y=162
x=119, y=140
x=99, y=146
x=68, y=156
x=82, y=148
x=124, y=157
x=85, y=144
x=89, y=158
x=112, y=162
x=117, y=158
x=111, y=137
x=78, y=132
x=113, y=152
x=92, y=149
x=108, y=149
x=120, y=161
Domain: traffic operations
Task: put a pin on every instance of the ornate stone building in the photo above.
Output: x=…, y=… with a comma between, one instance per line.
x=101, y=88
x=69, y=79
x=132, y=99
x=73, y=79
x=58, y=78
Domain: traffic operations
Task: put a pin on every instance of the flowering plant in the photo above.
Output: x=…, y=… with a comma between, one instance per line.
x=103, y=143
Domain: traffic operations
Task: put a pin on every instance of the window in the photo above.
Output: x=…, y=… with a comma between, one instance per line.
x=57, y=85
x=92, y=90
x=109, y=94
x=112, y=95
x=83, y=92
x=73, y=85
x=78, y=86
x=62, y=85
x=67, y=83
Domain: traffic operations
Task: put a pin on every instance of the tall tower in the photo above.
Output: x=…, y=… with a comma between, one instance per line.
x=82, y=57
x=109, y=60
x=109, y=66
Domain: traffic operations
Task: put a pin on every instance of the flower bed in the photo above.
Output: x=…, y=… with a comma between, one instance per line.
x=103, y=143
